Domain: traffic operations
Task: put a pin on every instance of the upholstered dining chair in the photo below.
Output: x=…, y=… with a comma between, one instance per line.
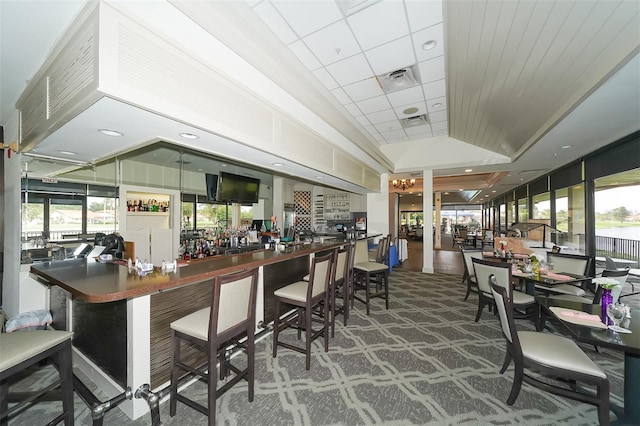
x=524, y=304
x=552, y=356
x=469, y=276
x=339, y=285
x=371, y=277
x=24, y=349
x=227, y=325
x=594, y=297
x=307, y=297
x=576, y=264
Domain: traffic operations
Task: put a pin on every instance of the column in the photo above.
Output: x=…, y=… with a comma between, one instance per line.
x=427, y=208
x=438, y=241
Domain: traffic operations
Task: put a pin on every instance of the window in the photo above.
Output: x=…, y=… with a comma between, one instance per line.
x=101, y=215
x=523, y=210
x=511, y=213
x=570, y=218
x=542, y=206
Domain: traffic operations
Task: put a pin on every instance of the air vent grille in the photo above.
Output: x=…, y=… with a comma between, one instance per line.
x=398, y=80
x=416, y=120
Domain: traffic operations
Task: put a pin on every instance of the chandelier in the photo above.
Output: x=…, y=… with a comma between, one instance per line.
x=403, y=184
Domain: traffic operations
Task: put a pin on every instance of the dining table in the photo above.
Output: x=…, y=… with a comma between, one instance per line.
x=548, y=279
x=588, y=329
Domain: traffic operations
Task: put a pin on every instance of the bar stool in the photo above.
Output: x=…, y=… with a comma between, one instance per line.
x=372, y=277
x=340, y=287
x=214, y=331
x=305, y=296
x=21, y=350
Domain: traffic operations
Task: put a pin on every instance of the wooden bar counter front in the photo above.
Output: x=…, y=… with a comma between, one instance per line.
x=120, y=318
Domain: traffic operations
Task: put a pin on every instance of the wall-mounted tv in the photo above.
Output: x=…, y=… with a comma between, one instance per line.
x=237, y=189
x=212, y=186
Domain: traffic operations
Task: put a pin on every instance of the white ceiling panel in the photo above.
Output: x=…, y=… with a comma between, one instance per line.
x=424, y=131
x=435, y=89
x=437, y=116
x=304, y=54
x=379, y=24
x=437, y=104
x=363, y=120
x=421, y=106
x=379, y=103
x=388, y=126
x=350, y=70
x=353, y=109
x=363, y=89
x=435, y=33
x=306, y=17
x=423, y=13
x=391, y=56
x=432, y=70
x=325, y=78
x=341, y=96
x=439, y=126
x=393, y=134
x=382, y=116
x=406, y=96
x=333, y=43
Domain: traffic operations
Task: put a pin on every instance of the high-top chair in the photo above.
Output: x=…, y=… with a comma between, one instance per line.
x=215, y=331
x=469, y=276
x=552, y=356
x=372, y=277
x=340, y=285
x=306, y=296
x=525, y=304
x=23, y=349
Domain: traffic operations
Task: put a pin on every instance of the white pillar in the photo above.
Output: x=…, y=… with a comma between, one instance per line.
x=427, y=208
x=378, y=208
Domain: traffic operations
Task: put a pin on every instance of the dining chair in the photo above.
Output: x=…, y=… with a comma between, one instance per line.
x=486, y=271
x=339, y=285
x=558, y=359
x=575, y=264
x=22, y=350
x=556, y=249
x=370, y=277
x=610, y=264
x=306, y=297
x=594, y=297
x=228, y=325
x=469, y=276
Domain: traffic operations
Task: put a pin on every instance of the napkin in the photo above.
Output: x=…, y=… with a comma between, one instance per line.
x=487, y=253
x=521, y=256
x=558, y=276
x=577, y=317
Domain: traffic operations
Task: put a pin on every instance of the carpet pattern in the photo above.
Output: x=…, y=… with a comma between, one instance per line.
x=423, y=362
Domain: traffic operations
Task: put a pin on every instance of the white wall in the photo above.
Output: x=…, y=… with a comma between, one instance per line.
x=427, y=208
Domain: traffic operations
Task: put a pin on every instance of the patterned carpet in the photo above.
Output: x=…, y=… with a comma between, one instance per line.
x=422, y=362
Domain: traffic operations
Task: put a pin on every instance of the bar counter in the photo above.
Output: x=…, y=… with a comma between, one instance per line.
x=120, y=318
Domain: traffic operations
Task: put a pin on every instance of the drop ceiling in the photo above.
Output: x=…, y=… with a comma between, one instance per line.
x=516, y=78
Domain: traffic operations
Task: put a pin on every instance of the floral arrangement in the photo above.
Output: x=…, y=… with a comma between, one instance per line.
x=605, y=282
x=533, y=258
x=503, y=243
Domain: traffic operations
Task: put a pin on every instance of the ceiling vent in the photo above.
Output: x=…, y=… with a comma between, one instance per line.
x=398, y=80
x=416, y=120
x=350, y=7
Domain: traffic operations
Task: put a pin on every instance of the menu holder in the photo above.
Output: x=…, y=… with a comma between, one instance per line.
x=577, y=317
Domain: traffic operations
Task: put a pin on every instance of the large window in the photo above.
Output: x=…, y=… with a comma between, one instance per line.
x=570, y=217
x=523, y=210
x=542, y=206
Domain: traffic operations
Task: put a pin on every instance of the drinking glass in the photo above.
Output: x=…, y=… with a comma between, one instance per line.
x=527, y=265
x=616, y=312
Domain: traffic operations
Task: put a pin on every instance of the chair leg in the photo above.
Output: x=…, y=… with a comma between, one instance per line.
x=212, y=384
x=66, y=378
x=276, y=327
x=251, y=356
x=366, y=291
x=175, y=358
x=386, y=288
x=603, y=406
x=307, y=330
x=326, y=327
x=518, y=375
x=506, y=362
x=480, y=307
x=466, y=296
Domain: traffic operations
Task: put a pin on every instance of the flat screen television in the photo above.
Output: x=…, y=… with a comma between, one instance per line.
x=237, y=189
x=212, y=186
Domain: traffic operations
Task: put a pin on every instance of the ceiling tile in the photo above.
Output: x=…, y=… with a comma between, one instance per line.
x=333, y=43
x=388, y=126
x=391, y=56
x=422, y=109
x=363, y=120
x=364, y=89
x=406, y=96
x=442, y=125
x=274, y=20
x=394, y=134
x=423, y=131
x=379, y=138
x=379, y=103
x=341, y=96
x=379, y=24
x=437, y=116
x=305, y=55
x=350, y=70
x=432, y=33
x=371, y=129
x=432, y=70
x=306, y=17
x=325, y=78
x=353, y=109
x=423, y=13
x=382, y=116
x=435, y=89
x=433, y=106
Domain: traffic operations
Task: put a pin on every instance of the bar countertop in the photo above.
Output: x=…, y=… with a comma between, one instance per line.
x=98, y=282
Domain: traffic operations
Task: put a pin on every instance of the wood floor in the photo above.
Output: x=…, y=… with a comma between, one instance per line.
x=447, y=260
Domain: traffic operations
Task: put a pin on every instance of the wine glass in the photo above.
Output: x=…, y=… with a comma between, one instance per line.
x=616, y=312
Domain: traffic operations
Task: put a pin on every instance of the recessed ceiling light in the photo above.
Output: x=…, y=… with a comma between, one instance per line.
x=437, y=105
x=446, y=193
x=566, y=146
x=223, y=164
x=410, y=110
x=468, y=170
x=189, y=136
x=318, y=177
x=68, y=152
x=110, y=132
x=277, y=164
x=420, y=195
x=487, y=195
x=428, y=45
x=493, y=190
x=460, y=189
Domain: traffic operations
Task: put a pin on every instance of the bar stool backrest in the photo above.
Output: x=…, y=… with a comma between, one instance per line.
x=362, y=252
x=234, y=303
x=320, y=274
